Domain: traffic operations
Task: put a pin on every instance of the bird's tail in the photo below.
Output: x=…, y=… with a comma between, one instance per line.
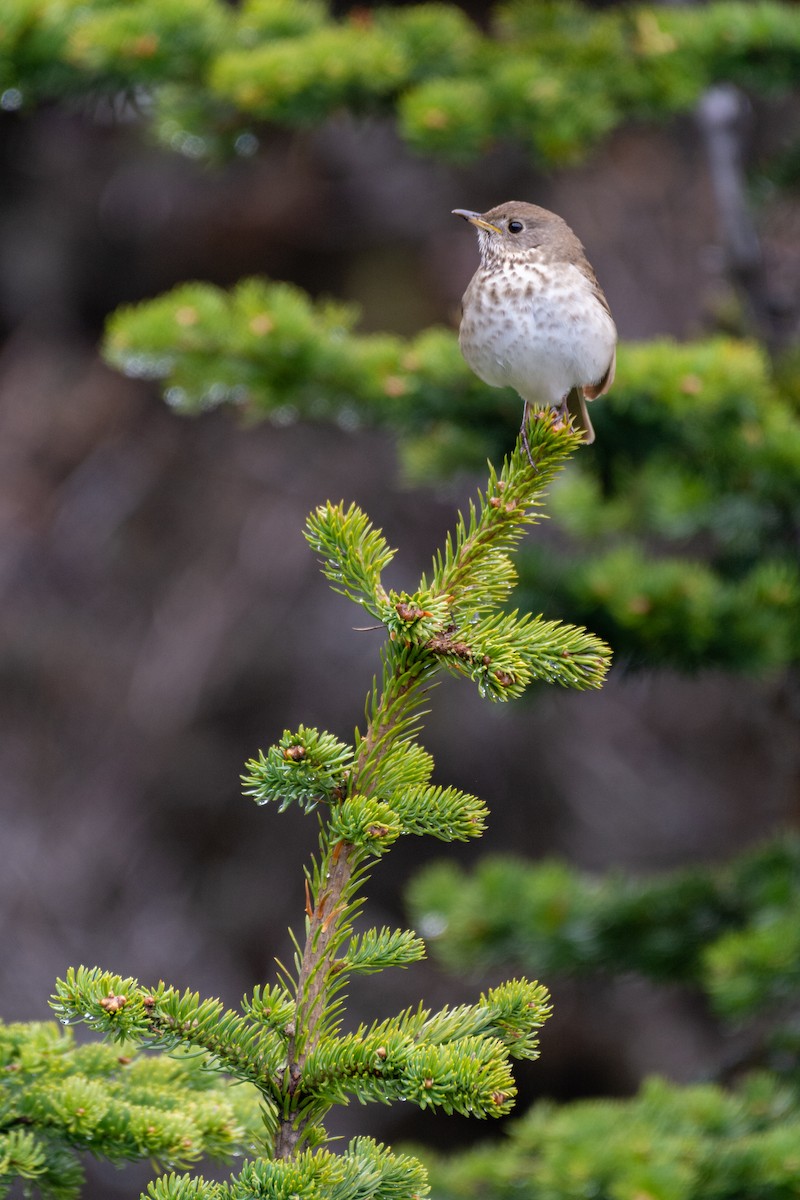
x=576, y=407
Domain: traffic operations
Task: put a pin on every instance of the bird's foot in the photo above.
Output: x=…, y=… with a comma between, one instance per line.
x=562, y=417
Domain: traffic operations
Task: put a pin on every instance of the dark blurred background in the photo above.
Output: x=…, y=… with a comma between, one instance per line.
x=161, y=617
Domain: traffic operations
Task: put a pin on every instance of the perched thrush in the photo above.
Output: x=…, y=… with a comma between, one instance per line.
x=535, y=317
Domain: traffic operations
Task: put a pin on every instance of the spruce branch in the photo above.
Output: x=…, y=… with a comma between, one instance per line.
x=306, y=767
x=330, y=909
x=475, y=567
x=405, y=764
x=367, y=823
x=420, y=1057
x=60, y=1099
x=354, y=553
x=393, y=712
x=164, y=1018
x=374, y=950
x=288, y=1039
x=365, y=817
x=270, y=1006
x=469, y=1075
x=506, y=652
x=444, y=813
x=366, y=1170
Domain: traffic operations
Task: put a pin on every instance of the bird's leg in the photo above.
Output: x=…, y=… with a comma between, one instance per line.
x=523, y=430
x=563, y=411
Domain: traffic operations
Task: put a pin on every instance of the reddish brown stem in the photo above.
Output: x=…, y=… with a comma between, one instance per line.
x=315, y=967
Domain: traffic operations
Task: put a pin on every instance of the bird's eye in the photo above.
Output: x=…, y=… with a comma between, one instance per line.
x=515, y=226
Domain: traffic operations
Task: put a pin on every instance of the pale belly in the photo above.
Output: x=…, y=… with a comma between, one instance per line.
x=540, y=345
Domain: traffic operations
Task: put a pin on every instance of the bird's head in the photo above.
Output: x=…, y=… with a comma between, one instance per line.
x=514, y=228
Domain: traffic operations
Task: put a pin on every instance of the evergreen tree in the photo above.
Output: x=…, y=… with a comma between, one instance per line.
x=288, y=1040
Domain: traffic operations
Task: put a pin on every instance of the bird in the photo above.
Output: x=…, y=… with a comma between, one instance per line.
x=534, y=316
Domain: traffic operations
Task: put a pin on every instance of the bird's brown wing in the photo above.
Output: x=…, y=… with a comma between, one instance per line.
x=597, y=291
x=592, y=391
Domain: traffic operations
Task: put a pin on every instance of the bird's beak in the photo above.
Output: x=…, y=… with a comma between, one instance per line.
x=476, y=219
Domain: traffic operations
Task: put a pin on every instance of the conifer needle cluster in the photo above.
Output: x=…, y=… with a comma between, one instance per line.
x=60, y=1100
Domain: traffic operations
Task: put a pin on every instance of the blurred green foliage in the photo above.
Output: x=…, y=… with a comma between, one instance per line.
x=733, y=931
x=554, y=76
x=681, y=522
x=60, y=1099
x=667, y=1143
